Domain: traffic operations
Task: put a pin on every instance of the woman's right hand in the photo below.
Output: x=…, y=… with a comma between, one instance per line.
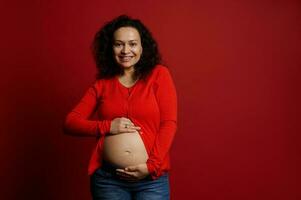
x=123, y=125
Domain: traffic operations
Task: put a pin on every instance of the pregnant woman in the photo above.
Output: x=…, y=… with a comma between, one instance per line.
x=135, y=100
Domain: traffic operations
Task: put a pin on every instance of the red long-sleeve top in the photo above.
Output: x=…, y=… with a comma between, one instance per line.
x=150, y=104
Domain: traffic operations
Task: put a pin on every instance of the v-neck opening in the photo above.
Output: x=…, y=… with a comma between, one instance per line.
x=123, y=86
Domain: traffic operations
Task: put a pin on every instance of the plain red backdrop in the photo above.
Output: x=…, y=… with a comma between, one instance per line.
x=236, y=66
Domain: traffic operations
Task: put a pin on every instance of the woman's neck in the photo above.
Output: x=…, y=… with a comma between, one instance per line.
x=129, y=73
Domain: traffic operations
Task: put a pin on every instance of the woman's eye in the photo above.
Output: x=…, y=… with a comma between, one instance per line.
x=117, y=44
x=133, y=44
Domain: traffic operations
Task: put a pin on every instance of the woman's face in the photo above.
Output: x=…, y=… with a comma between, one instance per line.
x=127, y=47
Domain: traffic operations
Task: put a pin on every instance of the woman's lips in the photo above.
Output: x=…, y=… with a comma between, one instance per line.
x=125, y=58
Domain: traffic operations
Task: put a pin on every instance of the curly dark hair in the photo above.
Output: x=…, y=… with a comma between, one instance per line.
x=102, y=49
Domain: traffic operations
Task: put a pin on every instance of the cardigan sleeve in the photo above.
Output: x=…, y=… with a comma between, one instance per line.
x=167, y=100
x=77, y=122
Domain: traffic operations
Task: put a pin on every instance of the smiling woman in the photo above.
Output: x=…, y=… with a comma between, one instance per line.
x=136, y=103
x=127, y=47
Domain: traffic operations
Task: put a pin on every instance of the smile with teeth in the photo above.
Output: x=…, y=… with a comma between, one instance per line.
x=125, y=58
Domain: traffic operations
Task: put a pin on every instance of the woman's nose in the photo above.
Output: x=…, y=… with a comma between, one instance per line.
x=125, y=49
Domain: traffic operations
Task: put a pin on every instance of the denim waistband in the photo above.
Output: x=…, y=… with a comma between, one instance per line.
x=106, y=166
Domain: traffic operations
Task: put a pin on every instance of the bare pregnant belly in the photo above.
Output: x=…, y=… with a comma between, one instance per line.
x=124, y=149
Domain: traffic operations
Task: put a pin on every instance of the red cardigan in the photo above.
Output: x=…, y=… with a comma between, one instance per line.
x=150, y=104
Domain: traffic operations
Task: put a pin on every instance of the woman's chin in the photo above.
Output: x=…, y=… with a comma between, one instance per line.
x=126, y=65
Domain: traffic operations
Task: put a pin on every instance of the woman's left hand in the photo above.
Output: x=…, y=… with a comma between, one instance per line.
x=133, y=173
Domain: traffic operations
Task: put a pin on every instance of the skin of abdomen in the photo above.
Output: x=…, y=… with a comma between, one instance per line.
x=125, y=149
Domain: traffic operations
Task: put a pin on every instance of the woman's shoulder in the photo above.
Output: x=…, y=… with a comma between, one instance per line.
x=160, y=70
x=100, y=84
x=103, y=81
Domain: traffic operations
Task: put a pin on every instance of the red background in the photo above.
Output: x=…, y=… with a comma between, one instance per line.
x=236, y=66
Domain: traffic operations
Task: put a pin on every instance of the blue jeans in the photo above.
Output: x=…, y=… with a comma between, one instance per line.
x=105, y=185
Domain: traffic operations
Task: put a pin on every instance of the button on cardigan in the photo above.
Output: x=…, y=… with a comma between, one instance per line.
x=151, y=104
